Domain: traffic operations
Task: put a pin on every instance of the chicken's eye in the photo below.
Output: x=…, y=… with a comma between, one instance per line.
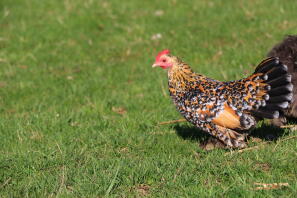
x=164, y=60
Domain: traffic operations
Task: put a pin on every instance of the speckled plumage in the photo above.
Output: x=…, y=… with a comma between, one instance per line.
x=225, y=109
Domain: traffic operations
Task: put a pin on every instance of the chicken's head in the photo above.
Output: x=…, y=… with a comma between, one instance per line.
x=164, y=60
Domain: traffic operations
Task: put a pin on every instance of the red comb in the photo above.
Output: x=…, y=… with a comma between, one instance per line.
x=162, y=53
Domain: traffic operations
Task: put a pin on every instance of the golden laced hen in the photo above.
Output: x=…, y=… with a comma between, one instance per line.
x=225, y=109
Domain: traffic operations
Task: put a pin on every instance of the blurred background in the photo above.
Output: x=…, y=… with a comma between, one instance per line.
x=80, y=103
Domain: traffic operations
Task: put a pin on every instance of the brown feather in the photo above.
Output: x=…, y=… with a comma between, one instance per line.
x=227, y=118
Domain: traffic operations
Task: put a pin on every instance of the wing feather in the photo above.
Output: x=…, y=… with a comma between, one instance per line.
x=227, y=118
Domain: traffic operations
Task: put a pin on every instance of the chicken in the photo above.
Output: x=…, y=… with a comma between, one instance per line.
x=226, y=109
x=286, y=50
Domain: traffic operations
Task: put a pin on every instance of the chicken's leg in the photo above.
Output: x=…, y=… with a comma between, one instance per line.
x=230, y=137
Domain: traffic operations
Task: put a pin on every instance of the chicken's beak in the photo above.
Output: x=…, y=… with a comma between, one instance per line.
x=155, y=65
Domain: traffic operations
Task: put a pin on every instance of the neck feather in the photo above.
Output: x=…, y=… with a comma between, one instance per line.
x=181, y=76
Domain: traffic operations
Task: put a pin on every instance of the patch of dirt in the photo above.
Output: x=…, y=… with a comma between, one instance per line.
x=262, y=166
x=256, y=140
x=36, y=135
x=2, y=84
x=119, y=110
x=142, y=189
x=123, y=150
x=212, y=143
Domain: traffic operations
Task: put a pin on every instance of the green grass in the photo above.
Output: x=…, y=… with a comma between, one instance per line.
x=80, y=103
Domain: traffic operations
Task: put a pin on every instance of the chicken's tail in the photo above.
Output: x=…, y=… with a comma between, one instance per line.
x=276, y=88
x=286, y=50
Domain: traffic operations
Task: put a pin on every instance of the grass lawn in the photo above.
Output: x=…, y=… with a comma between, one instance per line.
x=80, y=103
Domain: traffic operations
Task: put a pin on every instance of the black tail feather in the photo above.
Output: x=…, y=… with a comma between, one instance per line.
x=277, y=106
x=277, y=99
x=277, y=71
x=267, y=65
x=266, y=113
x=280, y=88
x=276, y=82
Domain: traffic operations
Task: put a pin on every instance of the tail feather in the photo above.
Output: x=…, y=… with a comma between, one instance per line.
x=286, y=50
x=281, y=90
x=280, y=80
x=277, y=85
x=267, y=65
x=277, y=71
x=270, y=114
x=277, y=106
x=277, y=99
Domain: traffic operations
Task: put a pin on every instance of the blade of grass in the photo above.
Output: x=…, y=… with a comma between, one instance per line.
x=113, y=180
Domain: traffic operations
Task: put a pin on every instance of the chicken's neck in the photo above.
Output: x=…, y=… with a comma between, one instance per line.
x=181, y=78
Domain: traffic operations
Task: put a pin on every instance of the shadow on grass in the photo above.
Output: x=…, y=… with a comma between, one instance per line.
x=190, y=133
x=268, y=132
x=265, y=132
